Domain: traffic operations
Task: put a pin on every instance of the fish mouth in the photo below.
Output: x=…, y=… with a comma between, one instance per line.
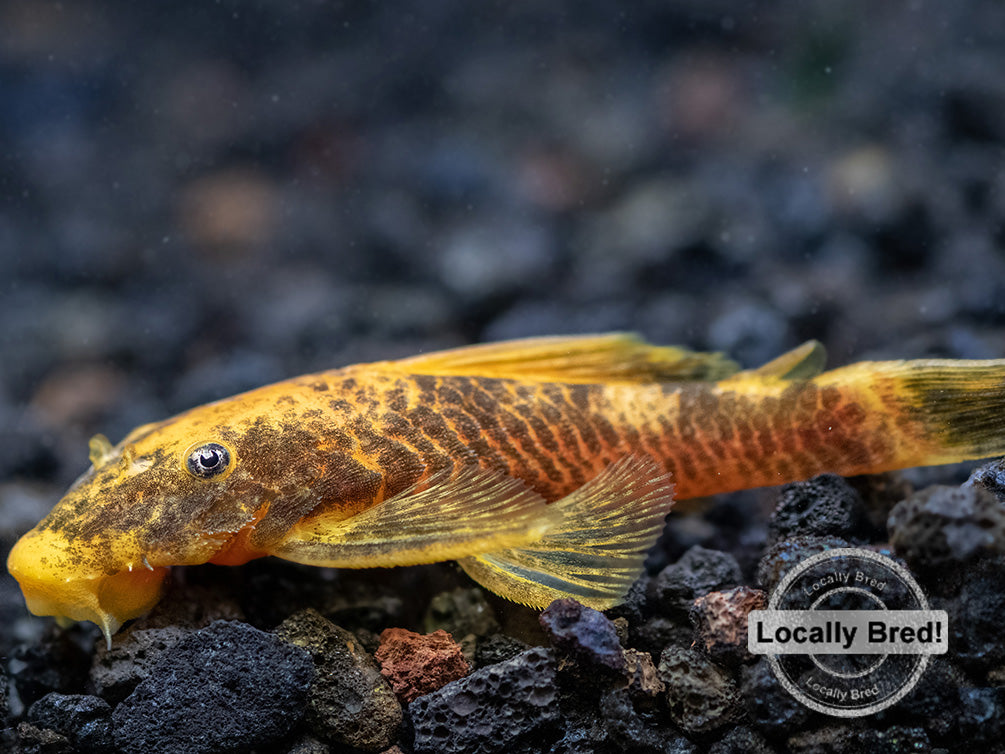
x=55, y=581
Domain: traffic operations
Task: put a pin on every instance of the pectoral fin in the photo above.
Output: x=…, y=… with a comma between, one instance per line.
x=477, y=511
x=596, y=552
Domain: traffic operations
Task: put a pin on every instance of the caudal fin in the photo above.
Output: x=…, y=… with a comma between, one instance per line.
x=596, y=551
x=960, y=405
x=921, y=413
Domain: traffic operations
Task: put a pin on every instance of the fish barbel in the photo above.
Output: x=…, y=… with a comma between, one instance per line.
x=545, y=466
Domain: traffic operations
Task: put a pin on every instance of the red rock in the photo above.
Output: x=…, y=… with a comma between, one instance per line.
x=416, y=664
x=720, y=621
x=643, y=678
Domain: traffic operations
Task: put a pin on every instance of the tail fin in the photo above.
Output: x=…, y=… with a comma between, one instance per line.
x=960, y=403
x=596, y=552
x=944, y=410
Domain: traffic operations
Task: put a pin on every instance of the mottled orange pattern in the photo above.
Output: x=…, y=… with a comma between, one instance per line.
x=545, y=467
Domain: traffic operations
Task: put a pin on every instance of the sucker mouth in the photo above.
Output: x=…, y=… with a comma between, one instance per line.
x=40, y=562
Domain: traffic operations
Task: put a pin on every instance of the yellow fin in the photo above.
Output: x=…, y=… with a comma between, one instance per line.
x=801, y=363
x=596, y=552
x=476, y=511
x=615, y=357
x=99, y=449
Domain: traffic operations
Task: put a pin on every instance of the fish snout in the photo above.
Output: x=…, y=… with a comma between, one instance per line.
x=58, y=578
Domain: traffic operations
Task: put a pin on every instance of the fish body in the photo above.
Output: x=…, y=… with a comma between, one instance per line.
x=546, y=466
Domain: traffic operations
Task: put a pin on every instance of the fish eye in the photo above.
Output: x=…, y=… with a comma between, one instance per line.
x=207, y=460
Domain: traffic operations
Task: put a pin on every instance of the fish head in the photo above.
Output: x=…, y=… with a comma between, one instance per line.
x=171, y=493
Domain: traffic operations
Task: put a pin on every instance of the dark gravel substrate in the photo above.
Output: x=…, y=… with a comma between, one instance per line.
x=198, y=198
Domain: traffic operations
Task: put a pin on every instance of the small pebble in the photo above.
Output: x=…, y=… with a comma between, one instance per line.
x=697, y=572
x=975, y=625
x=350, y=703
x=84, y=720
x=782, y=556
x=415, y=664
x=980, y=715
x=225, y=688
x=941, y=526
x=720, y=622
x=770, y=708
x=309, y=745
x=701, y=697
x=584, y=633
x=823, y=506
x=461, y=613
x=117, y=671
x=624, y=727
x=34, y=740
x=490, y=710
x=55, y=663
x=990, y=477
x=643, y=678
x=741, y=740
x=497, y=648
x=900, y=739
x=656, y=633
x=833, y=739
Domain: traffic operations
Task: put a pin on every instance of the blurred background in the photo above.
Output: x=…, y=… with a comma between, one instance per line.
x=198, y=198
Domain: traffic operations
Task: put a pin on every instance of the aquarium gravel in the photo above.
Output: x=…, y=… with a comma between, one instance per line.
x=197, y=199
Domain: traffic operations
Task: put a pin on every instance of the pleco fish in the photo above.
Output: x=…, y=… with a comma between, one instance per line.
x=545, y=467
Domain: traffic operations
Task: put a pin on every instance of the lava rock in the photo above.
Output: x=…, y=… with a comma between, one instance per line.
x=942, y=526
x=225, y=688
x=720, y=622
x=700, y=696
x=981, y=714
x=56, y=663
x=34, y=740
x=782, y=556
x=643, y=678
x=415, y=664
x=625, y=730
x=658, y=632
x=487, y=711
x=834, y=739
x=990, y=477
x=634, y=604
x=770, y=708
x=4, y=701
x=309, y=745
x=901, y=739
x=697, y=572
x=115, y=672
x=825, y=505
x=84, y=720
x=975, y=621
x=350, y=702
x=741, y=740
x=497, y=648
x=584, y=633
x=190, y=606
x=363, y=602
x=461, y=613
x=880, y=493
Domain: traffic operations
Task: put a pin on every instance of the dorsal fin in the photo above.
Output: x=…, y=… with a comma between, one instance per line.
x=582, y=359
x=801, y=363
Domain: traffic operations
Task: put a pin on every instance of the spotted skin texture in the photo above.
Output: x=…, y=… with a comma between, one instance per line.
x=330, y=446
